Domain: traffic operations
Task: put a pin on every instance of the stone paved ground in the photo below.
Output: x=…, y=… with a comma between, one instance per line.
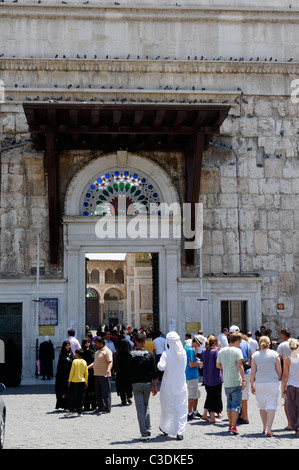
x=32, y=423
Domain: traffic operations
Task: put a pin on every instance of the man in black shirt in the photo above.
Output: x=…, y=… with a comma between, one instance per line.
x=143, y=375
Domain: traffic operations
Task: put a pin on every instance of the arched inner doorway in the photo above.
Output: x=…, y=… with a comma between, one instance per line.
x=92, y=308
x=113, y=308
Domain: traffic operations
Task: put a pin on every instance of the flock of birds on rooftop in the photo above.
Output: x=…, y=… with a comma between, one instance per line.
x=114, y=3
x=123, y=100
x=138, y=57
x=55, y=99
x=128, y=57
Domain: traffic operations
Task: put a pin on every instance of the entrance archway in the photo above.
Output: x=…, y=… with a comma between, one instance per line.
x=113, y=307
x=80, y=236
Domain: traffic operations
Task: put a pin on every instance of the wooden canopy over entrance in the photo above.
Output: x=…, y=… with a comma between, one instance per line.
x=57, y=126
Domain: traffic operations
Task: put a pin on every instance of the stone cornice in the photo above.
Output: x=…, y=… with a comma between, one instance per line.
x=148, y=66
x=148, y=13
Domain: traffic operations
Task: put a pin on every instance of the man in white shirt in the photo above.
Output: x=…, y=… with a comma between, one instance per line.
x=283, y=348
x=109, y=343
x=73, y=341
x=161, y=345
x=252, y=342
x=222, y=338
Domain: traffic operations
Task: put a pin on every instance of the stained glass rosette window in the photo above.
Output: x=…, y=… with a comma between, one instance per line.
x=121, y=193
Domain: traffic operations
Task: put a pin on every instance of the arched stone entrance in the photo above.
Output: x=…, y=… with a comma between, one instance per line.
x=92, y=308
x=80, y=236
x=113, y=307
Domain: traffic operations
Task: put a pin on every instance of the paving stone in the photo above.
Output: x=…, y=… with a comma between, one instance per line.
x=33, y=423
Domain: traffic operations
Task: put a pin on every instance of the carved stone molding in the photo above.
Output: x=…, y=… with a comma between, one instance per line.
x=153, y=13
x=148, y=66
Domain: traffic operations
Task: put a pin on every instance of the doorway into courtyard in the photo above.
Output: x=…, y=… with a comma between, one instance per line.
x=122, y=289
x=234, y=312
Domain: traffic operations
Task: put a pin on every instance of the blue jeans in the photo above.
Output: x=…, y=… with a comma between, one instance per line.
x=234, y=398
x=141, y=392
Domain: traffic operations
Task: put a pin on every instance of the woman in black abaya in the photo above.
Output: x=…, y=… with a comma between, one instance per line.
x=63, y=371
x=13, y=364
x=122, y=382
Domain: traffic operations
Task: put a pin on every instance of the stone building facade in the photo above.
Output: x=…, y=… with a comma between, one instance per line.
x=150, y=52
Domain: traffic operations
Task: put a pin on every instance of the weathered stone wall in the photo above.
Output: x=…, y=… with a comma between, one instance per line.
x=250, y=195
x=23, y=212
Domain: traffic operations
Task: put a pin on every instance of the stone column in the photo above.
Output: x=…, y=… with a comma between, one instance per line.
x=101, y=311
x=73, y=317
x=171, y=272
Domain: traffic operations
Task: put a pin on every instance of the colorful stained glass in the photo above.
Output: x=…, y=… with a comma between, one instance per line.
x=90, y=292
x=120, y=192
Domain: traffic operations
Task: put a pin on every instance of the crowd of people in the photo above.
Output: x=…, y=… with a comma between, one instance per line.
x=244, y=365
x=136, y=360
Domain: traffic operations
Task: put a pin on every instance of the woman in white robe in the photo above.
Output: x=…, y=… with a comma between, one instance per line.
x=173, y=391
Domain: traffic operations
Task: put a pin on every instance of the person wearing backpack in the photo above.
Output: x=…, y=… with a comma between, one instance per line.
x=247, y=354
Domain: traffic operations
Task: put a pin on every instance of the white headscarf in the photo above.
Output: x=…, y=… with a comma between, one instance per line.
x=175, y=344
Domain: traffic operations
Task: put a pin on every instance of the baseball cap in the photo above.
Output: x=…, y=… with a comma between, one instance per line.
x=234, y=328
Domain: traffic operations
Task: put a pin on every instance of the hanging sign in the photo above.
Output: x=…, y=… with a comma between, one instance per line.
x=46, y=330
x=193, y=327
x=280, y=307
x=48, y=312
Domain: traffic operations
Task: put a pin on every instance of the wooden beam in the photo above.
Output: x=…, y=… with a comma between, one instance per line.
x=116, y=128
x=201, y=116
x=116, y=118
x=221, y=116
x=132, y=146
x=74, y=117
x=181, y=116
x=52, y=117
x=159, y=116
x=138, y=115
x=52, y=170
x=95, y=117
x=193, y=171
x=95, y=122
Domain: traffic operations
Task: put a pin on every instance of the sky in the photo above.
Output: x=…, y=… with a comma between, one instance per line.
x=106, y=256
